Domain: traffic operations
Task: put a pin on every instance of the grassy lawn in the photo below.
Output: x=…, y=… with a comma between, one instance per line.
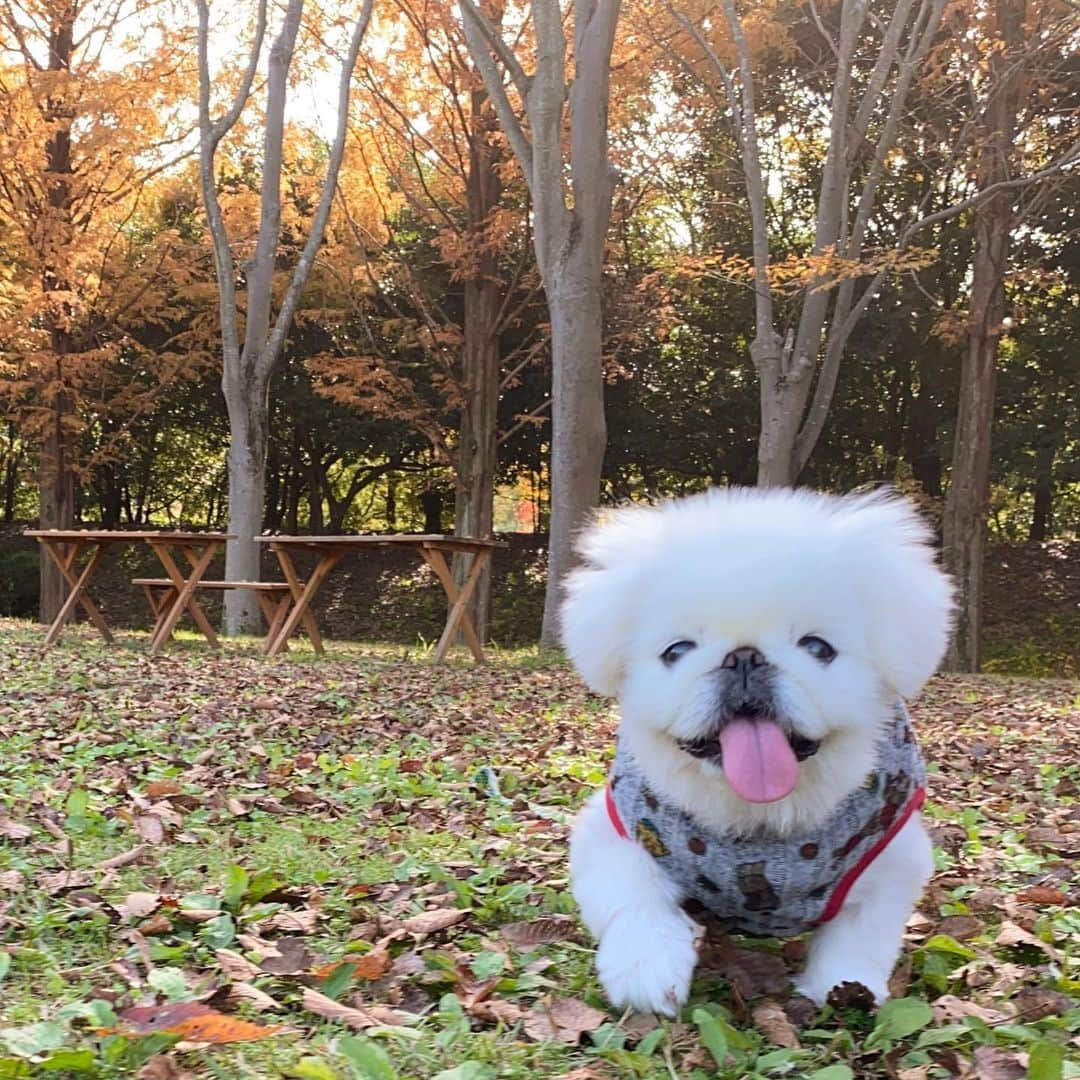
x=356, y=868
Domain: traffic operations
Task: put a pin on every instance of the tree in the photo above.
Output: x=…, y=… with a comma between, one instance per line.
x=88, y=119
x=569, y=236
x=1023, y=47
x=248, y=368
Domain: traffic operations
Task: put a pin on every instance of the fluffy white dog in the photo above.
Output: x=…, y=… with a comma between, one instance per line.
x=760, y=643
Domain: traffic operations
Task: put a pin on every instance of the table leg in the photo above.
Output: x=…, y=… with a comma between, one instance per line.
x=302, y=596
x=458, y=613
x=185, y=590
x=434, y=558
x=66, y=561
x=273, y=612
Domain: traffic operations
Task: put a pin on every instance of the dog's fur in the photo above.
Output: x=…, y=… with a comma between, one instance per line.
x=762, y=569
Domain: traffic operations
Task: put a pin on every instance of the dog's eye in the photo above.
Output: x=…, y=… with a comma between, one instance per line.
x=818, y=648
x=675, y=650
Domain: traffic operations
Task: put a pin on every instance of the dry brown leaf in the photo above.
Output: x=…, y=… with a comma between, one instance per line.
x=14, y=830
x=498, y=1010
x=158, y=789
x=197, y=915
x=1011, y=934
x=753, y=972
x=992, y=1063
x=429, y=922
x=236, y=966
x=292, y=922
x=138, y=905
x=961, y=927
x=150, y=828
x=252, y=995
x=194, y=1022
x=237, y=807
x=155, y=925
x=12, y=881
x=164, y=1067
x=771, y=1020
x=949, y=1007
x=372, y=965
x=543, y=931
x=1036, y=1002
x=1044, y=895
x=291, y=957
x=125, y=858
x=62, y=880
x=322, y=1005
x=563, y=1020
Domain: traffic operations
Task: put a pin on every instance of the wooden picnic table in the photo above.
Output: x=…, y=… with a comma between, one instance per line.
x=198, y=549
x=331, y=549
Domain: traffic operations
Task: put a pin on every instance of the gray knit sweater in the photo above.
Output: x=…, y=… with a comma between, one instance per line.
x=766, y=885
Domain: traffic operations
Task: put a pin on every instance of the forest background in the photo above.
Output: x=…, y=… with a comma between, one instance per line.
x=842, y=250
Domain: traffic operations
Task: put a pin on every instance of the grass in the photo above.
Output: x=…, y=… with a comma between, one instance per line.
x=221, y=832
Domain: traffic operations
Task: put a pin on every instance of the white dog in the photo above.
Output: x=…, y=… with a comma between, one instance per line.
x=760, y=643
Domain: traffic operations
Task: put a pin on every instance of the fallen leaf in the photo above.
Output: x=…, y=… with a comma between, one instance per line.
x=12, y=881
x=361, y=1019
x=372, y=965
x=563, y=1019
x=293, y=958
x=1036, y=1002
x=498, y=1010
x=251, y=995
x=156, y=925
x=158, y=789
x=293, y=922
x=994, y=1064
x=14, y=830
x=1044, y=895
x=1011, y=934
x=138, y=905
x=150, y=828
x=429, y=922
x=125, y=858
x=63, y=880
x=771, y=1020
x=949, y=1007
x=236, y=966
x=753, y=972
x=164, y=1067
x=194, y=1022
x=961, y=927
x=543, y=931
x=237, y=807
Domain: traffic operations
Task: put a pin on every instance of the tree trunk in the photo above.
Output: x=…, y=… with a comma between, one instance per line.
x=57, y=479
x=578, y=429
x=247, y=479
x=1042, y=516
x=477, y=455
x=966, y=501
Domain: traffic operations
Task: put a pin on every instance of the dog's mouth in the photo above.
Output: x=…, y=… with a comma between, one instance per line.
x=759, y=757
x=709, y=748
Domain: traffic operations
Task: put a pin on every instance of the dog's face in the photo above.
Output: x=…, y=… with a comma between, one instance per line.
x=756, y=630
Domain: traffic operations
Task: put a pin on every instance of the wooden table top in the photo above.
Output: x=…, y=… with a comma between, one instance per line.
x=119, y=535
x=403, y=539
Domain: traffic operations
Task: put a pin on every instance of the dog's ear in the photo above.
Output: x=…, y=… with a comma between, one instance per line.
x=598, y=606
x=911, y=596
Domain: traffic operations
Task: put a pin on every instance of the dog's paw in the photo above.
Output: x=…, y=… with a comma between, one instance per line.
x=819, y=985
x=646, y=962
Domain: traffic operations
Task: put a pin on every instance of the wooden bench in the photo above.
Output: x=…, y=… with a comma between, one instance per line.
x=274, y=598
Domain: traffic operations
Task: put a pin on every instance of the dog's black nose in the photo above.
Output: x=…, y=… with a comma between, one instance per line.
x=743, y=660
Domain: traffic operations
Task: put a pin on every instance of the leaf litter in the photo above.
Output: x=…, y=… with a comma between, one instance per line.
x=444, y=799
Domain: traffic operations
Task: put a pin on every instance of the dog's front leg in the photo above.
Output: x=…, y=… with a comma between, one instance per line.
x=647, y=954
x=861, y=943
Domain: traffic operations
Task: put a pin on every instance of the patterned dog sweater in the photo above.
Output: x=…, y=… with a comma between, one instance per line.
x=766, y=885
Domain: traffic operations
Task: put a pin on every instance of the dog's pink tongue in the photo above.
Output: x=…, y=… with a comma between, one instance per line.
x=758, y=760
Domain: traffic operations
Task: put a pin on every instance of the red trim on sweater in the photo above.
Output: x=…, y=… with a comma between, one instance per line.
x=613, y=813
x=836, y=901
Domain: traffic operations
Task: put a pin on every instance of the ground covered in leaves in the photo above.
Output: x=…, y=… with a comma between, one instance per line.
x=218, y=866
